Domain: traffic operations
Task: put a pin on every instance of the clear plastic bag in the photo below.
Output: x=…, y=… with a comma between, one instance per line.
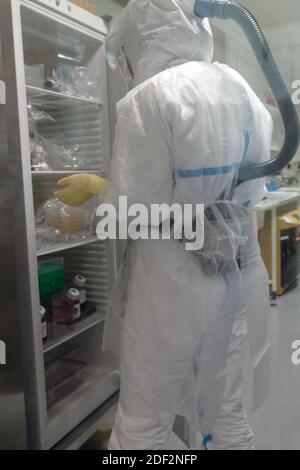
x=58, y=223
x=67, y=141
x=38, y=152
x=36, y=116
x=226, y=227
x=61, y=156
x=73, y=80
x=56, y=155
x=49, y=153
x=38, y=155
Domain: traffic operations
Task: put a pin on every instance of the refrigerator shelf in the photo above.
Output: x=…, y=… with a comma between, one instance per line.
x=98, y=384
x=49, y=99
x=58, y=247
x=58, y=173
x=60, y=374
x=81, y=327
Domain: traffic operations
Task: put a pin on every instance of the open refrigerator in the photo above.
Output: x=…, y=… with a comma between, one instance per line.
x=58, y=112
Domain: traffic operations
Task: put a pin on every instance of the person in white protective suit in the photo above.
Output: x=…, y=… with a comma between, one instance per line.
x=182, y=133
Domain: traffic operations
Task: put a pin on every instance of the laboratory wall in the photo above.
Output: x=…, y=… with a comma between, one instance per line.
x=281, y=28
x=282, y=31
x=109, y=7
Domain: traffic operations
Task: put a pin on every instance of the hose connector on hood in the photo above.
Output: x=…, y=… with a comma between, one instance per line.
x=225, y=9
x=210, y=9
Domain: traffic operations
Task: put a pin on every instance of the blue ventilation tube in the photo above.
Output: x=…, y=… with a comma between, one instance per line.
x=228, y=10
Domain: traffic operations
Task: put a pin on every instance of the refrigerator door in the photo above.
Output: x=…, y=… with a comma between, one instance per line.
x=12, y=405
x=48, y=50
x=63, y=106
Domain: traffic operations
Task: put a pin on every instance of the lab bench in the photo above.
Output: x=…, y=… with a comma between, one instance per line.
x=276, y=205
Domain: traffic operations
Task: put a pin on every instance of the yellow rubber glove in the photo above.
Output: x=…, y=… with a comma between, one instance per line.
x=78, y=189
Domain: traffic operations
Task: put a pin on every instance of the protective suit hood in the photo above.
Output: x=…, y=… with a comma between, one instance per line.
x=150, y=36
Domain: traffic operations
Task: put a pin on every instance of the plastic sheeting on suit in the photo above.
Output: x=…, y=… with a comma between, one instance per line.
x=181, y=137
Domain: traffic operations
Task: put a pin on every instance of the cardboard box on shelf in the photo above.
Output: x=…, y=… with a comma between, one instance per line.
x=87, y=5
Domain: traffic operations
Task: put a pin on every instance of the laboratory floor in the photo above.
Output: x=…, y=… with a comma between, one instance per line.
x=277, y=424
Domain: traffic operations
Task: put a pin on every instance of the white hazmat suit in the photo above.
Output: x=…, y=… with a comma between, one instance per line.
x=182, y=133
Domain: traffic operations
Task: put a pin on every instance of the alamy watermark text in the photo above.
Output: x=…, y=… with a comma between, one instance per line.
x=296, y=93
x=156, y=222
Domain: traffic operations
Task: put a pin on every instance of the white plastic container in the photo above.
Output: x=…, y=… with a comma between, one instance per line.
x=44, y=326
x=79, y=282
x=73, y=295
